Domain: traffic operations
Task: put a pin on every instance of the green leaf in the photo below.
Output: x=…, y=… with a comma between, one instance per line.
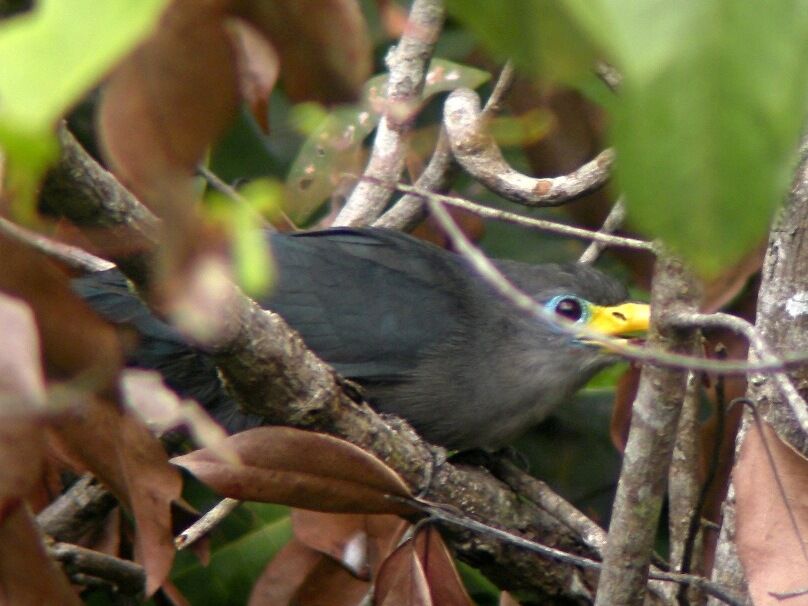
x=51, y=56
x=241, y=548
x=60, y=49
x=707, y=120
x=252, y=254
x=334, y=143
x=709, y=117
x=543, y=37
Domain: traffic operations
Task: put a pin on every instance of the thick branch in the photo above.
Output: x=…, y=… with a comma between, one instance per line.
x=78, y=188
x=782, y=324
x=655, y=418
x=82, y=508
x=86, y=566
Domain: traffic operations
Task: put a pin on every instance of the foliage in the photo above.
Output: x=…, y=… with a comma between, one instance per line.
x=688, y=160
x=281, y=95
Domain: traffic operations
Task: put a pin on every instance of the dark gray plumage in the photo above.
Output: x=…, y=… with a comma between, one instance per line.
x=427, y=338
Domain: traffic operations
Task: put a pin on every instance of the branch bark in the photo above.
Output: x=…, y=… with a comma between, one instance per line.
x=647, y=458
x=407, y=64
x=782, y=323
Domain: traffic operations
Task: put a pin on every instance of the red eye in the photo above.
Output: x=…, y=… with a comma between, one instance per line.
x=569, y=308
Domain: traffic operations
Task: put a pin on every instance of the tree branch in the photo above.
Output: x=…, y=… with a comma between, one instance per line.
x=654, y=421
x=782, y=324
x=614, y=220
x=478, y=154
x=407, y=64
x=410, y=209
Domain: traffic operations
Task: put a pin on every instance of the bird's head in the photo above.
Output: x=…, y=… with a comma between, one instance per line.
x=584, y=297
x=624, y=320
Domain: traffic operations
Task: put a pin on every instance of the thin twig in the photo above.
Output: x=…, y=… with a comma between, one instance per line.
x=761, y=350
x=489, y=272
x=219, y=184
x=409, y=210
x=230, y=192
x=612, y=223
x=206, y=523
x=477, y=152
x=71, y=256
x=407, y=62
x=517, y=219
x=445, y=515
x=609, y=75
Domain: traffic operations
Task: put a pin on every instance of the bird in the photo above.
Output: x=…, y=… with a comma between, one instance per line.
x=414, y=325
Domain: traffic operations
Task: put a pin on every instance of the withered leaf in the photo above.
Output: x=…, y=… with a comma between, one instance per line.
x=27, y=574
x=121, y=452
x=768, y=545
x=170, y=99
x=325, y=46
x=421, y=571
x=258, y=69
x=359, y=542
x=22, y=400
x=302, y=469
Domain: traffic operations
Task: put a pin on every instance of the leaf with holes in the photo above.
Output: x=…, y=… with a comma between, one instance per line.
x=333, y=148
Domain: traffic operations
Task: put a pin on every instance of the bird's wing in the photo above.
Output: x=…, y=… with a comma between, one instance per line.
x=367, y=301
x=188, y=370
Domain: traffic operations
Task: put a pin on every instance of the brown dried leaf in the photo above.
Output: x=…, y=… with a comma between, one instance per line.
x=174, y=595
x=126, y=457
x=284, y=575
x=301, y=469
x=27, y=575
x=329, y=584
x=421, y=571
x=771, y=552
x=22, y=399
x=359, y=542
x=725, y=287
x=161, y=409
x=393, y=17
x=325, y=46
x=86, y=345
x=506, y=599
x=625, y=392
x=22, y=384
x=258, y=69
x=441, y=573
x=169, y=100
x=402, y=580
x=22, y=449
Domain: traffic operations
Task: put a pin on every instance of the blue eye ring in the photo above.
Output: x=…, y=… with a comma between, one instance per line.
x=570, y=307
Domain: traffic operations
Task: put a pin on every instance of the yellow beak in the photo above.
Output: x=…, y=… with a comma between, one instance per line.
x=620, y=320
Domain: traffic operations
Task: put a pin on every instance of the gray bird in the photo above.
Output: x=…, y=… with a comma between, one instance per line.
x=415, y=326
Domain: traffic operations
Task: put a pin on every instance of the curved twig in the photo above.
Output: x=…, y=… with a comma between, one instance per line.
x=478, y=154
x=410, y=210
